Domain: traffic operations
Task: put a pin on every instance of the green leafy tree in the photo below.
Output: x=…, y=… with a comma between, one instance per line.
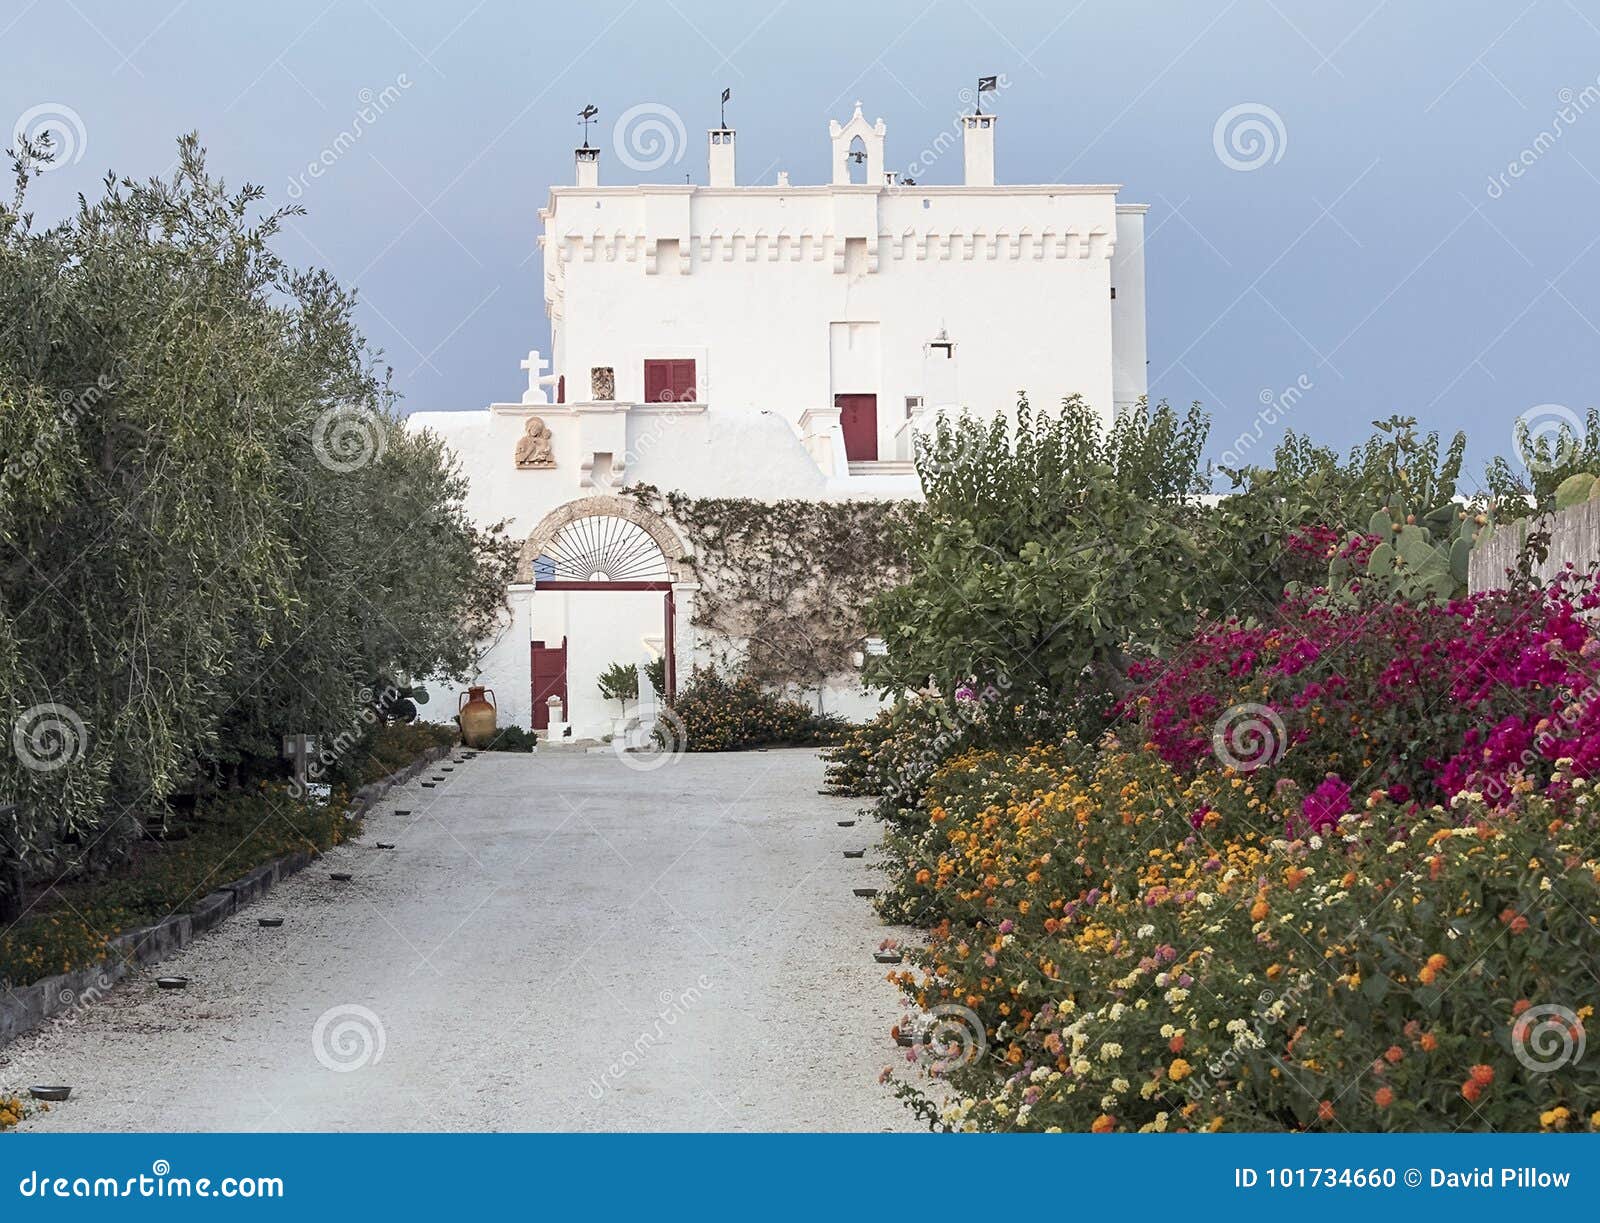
x=1048, y=552
x=1542, y=459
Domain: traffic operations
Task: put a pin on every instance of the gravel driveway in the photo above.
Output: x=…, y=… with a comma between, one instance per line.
x=558, y=942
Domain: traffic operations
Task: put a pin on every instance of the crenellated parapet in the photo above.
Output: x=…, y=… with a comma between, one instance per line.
x=804, y=246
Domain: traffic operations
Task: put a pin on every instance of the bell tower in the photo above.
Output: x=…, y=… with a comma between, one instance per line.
x=871, y=141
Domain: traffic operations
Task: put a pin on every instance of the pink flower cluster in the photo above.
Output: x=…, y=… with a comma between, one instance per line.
x=1422, y=699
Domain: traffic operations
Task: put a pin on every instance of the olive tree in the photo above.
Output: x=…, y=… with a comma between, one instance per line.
x=214, y=529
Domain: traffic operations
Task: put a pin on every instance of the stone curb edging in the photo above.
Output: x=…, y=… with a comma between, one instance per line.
x=24, y=1008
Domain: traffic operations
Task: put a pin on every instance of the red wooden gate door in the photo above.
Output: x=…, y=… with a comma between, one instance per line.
x=858, y=417
x=549, y=679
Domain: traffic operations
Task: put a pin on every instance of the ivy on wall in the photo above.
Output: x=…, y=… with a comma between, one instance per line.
x=784, y=584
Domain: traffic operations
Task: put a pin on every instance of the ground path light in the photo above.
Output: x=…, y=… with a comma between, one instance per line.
x=846, y=823
x=172, y=982
x=402, y=810
x=54, y=1093
x=341, y=876
x=271, y=923
x=855, y=853
x=887, y=957
x=866, y=891
x=385, y=845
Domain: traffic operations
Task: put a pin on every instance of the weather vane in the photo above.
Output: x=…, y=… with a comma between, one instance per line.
x=586, y=117
x=726, y=94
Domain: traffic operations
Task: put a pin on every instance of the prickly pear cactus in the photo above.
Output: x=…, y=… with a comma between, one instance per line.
x=1416, y=557
x=1575, y=490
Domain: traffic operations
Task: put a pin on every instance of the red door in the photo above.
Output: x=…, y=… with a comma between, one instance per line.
x=858, y=417
x=549, y=679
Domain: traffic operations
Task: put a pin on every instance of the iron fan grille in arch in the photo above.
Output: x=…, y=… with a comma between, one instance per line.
x=602, y=548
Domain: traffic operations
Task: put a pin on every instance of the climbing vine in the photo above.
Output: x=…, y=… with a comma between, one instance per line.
x=784, y=584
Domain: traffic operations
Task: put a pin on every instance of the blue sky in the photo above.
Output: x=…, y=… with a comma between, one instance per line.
x=1370, y=258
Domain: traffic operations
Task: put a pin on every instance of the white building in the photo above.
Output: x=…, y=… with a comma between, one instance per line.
x=769, y=340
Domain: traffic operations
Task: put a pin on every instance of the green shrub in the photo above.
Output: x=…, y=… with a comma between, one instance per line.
x=385, y=750
x=656, y=672
x=893, y=756
x=715, y=713
x=512, y=739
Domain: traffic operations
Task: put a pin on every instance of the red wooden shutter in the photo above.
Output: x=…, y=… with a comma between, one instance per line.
x=669, y=381
x=657, y=381
x=683, y=389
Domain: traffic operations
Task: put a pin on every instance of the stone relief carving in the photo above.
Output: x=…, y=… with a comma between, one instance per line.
x=602, y=383
x=534, y=447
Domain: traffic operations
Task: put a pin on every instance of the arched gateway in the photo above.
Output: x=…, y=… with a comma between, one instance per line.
x=616, y=552
x=611, y=532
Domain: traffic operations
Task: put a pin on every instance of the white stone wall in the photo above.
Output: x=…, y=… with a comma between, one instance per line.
x=752, y=282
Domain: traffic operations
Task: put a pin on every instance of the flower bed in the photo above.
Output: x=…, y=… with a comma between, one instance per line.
x=1146, y=951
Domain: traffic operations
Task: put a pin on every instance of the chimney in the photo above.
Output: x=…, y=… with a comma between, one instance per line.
x=587, y=163
x=939, y=388
x=977, y=149
x=720, y=152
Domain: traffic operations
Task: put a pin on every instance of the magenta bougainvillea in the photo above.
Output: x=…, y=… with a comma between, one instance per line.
x=1422, y=700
